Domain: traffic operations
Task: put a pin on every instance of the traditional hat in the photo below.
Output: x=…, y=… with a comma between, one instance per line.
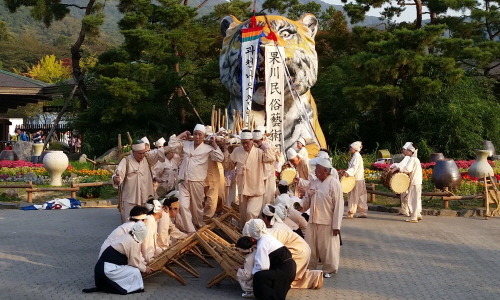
x=139, y=231
x=199, y=127
x=145, y=140
x=409, y=146
x=281, y=211
x=255, y=228
x=302, y=141
x=257, y=135
x=155, y=207
x=322, y=162
x=160, y=142
x=291, y=153
x=173, y=194
x=357, y=145
x=139, y=145
x=283, y=182
x=266, y=211
x=246, y=135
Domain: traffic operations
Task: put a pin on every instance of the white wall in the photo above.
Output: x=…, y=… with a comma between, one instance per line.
x=15, y=122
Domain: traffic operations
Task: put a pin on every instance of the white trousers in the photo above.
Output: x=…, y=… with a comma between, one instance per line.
x=357, y=199
x=324, y=245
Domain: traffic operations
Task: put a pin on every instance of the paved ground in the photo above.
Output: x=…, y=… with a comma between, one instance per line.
x=51, y=255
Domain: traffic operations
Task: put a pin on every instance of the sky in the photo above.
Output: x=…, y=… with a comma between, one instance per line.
x=408, y=15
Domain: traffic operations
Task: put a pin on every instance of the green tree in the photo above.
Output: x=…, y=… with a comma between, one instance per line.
x=49, y=11
x=50, y=70
x=137, y=84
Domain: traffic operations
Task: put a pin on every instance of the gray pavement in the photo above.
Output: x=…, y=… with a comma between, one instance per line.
x=51, y=255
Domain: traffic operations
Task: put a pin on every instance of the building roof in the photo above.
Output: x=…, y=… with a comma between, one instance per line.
x=17, y=90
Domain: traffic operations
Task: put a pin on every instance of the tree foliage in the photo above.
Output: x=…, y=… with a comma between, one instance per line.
x=50, y=70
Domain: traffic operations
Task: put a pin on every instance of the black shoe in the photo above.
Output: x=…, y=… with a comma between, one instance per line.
x=91, y=290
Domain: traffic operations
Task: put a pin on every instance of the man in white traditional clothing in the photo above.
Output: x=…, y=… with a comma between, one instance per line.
x=137, y=213
x=167, y=232
x=193, y=172
x=302, y=184
x=412, y=198
x=160, y=143
x=165, y=173
x=287, y=200
x=133, y=177
x=357, y=197
x=301, y=166
x=249, y=162
x=300, y=250
x=215, y=187
x=119, y=267
x=269, y=171
x=301, y=145
x=150, y=247
x=326, y=203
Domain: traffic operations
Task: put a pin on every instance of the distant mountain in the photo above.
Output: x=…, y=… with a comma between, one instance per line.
x=65, y=32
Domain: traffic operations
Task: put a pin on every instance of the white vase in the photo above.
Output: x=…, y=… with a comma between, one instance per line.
x=481, y=166
x=37, y=149
x=55, y=162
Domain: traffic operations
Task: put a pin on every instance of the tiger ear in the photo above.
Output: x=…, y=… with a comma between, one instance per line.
x=226, y=22
x=310, y=21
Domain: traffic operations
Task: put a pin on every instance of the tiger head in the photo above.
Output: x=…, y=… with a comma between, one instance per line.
x=297, y=37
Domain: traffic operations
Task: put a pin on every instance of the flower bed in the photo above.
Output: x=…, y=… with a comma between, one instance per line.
x=15, y=171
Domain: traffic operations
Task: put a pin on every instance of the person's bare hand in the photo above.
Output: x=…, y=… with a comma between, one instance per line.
x=149, y=270
x=296, y=180
x=117, y=179
x=336, y=232
x=214, y=143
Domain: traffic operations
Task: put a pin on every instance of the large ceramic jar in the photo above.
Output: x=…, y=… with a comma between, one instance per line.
x=446, y=174
x=481, y=167
x=37, y=149
x=55, y=162
x=434, y=157
x=488, y=145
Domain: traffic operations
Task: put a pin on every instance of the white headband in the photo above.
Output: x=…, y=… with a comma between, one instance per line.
x=255, y=228
x=257, y=135
x=291, y=153
x=139, y=146
x=281, y=211
x=200, y=127
x=409, y=146
x=155, y=207
x=245, y=135
x=322, y=162
x=139, y=231
x=160, y=142
x=266, y=211
x=302, y=141
x=356, y=145
x=145, y=140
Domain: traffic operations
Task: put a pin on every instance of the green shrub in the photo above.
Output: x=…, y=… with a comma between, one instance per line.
x=91, y=191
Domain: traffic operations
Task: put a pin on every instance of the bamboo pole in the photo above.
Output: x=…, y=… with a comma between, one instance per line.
x=227, y=119
x=219, y=118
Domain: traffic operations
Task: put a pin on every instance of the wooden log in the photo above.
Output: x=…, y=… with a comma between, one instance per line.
x=35, y=190
x=372, y=196
x=85, y=184
x=383, y=193
x=16, y=186
x=471, y=197
x=130, y=142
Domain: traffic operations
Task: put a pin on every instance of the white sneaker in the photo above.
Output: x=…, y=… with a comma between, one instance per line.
x=328, y=275
x=247, y=295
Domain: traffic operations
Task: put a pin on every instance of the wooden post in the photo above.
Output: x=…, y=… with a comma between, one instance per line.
x=30, y=194
x=372, y=196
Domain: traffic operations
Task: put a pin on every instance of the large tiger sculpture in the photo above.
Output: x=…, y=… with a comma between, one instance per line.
x=297, y=37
